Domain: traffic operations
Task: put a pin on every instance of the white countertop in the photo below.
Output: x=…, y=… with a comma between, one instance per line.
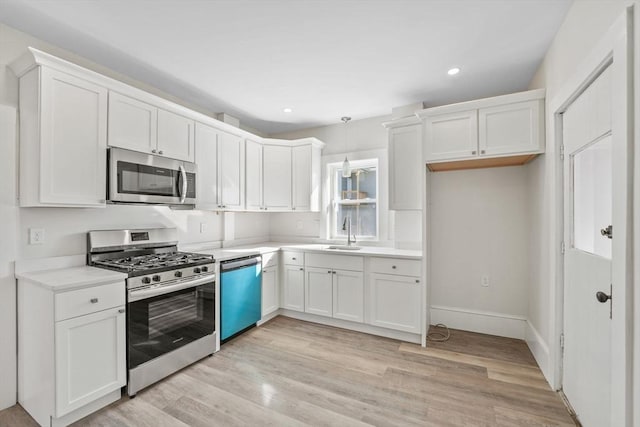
x=64, y=279
x=223, y=254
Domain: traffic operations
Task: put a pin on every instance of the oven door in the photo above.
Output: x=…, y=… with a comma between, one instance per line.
x=141, y=178
x=162, y=319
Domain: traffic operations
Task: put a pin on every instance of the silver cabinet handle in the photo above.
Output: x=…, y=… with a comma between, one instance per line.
x=417, y=281
x=393, y=266
x=154, y=151
x=301, y=268
x=182, y=190
x=93, y=300
x=329, y=271
x=160, y=152
x=334, y=272
x=293, y=258
x=121, y=310
x=473, y=152
x=482, y=151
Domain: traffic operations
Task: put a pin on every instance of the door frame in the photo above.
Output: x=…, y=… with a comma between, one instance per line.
x=616, y=48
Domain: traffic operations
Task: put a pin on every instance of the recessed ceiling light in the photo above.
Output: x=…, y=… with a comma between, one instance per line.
x=453, y=71
x=287, y=110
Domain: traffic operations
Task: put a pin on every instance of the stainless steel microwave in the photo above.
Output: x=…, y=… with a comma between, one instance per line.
x=147, y=179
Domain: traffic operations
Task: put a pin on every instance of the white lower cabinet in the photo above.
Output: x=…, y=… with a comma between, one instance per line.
x=270, y=290
x=293, y=288
x=318, y=296
x=90, y=358
x=348, y=295
x=396, y=302
x=71, y=350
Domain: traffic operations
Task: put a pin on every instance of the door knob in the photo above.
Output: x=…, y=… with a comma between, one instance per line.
x=602, y=297
x=607, y=232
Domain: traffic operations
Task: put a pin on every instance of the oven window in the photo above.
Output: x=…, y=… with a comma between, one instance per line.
x=163, y=323
x=142, y=179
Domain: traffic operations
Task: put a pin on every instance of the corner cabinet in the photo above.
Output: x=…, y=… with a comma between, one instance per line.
x=501, y=131
x=63, y=140
x=405, y=164
x=270, y=284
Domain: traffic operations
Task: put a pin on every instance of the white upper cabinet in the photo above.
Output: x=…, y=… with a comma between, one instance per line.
x=253, y=176
x=175, y=136
x=306, y=178
x=230, y=171
x=405, y=167
x=132, y=124
x=206, y=143
x=138, y=126
x=452, y=136
x=501, y=131
x=63, y=140
x=276, y=177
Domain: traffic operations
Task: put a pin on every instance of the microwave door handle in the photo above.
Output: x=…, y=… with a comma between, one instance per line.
x=182, y=190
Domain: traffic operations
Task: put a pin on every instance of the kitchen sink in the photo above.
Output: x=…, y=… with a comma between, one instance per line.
x=345, y=248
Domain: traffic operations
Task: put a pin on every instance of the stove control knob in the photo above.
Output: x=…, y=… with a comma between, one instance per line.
x=146, y=280
x=178, y=274
x=205, y=269
x=197, y=270
x=156, y=278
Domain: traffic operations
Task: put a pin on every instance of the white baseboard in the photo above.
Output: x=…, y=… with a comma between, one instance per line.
x=540, y=351
x=484, y=322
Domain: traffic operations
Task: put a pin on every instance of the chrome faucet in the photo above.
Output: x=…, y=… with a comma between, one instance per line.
x=346, y=225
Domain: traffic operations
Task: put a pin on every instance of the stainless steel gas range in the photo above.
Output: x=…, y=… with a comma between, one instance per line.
x=170, y=300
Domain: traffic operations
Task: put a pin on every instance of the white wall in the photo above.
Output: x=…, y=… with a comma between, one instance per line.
x=479, y=227
x=585, y=24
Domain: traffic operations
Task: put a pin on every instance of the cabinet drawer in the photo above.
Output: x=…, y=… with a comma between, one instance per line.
x=269, y=259
x=89, y=300
x=403, y=267
x=337, y=262
x=293, y=258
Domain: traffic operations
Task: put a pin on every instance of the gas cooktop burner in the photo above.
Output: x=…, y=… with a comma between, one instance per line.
x=155, y=261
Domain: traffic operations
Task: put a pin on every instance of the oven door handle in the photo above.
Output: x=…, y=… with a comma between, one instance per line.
x=140, y=294
x=182, y=190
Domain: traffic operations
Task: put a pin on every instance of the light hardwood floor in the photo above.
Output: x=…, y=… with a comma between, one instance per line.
x=291, y=373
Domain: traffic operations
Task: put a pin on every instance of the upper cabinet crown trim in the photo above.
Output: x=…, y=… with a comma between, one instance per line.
x=483, y=103
x=404, y=121
x=294, y=142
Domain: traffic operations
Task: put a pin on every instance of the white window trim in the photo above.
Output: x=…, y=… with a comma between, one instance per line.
x=332, y=168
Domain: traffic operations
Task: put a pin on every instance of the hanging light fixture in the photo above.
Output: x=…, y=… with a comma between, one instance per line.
x=346, y=168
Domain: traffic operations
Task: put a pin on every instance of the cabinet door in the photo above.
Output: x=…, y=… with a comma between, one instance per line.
x=132, y=124
x=318, y=293
x=348, y=295
x=293, y=288
x=510, y=129
x=90, y=358
x=451, y=136
x=231, y=171
x=270, y=290
x=277, y=177
x=206, y=143
x=405, y=168
x=396, y=302
x=301, y=180
x=73, y=141
x=253, y=174
x=175, y=136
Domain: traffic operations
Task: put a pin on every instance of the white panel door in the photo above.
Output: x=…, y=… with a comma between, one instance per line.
x=395, y=302
x=73, y=156
x=276, y=177
x=231, y=171
x=132, y=124
x=301, y=179
x=270, y=290
x=175, y=136
x=348, y=295
x=510, y=129
x=318, y=293
x=90, y=358
x=405, y=168
x=451, y=136
x=588, y=194
x=293, y=288
x=253, y=176
x=206, y=144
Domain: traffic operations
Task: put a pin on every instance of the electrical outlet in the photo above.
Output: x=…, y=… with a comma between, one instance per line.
x=203, y=227
x=484, y=281
x=36, y=236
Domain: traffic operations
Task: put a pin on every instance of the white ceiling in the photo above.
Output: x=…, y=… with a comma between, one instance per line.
x=323, y=58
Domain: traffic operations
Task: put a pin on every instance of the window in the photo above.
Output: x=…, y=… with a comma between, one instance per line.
x=355, y=197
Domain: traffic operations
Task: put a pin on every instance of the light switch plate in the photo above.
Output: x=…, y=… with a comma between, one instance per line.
x=36, y=236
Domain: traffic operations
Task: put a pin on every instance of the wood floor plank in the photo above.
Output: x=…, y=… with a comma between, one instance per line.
x=294, y=373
